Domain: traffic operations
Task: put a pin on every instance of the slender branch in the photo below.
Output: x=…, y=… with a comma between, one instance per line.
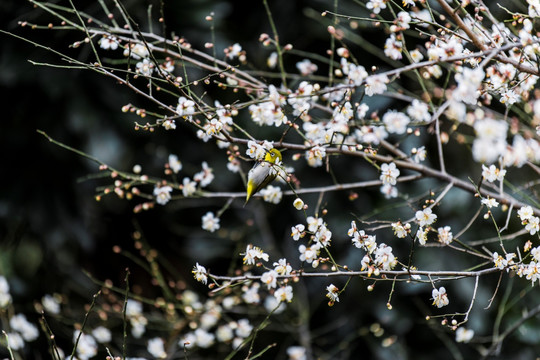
x=387, y=273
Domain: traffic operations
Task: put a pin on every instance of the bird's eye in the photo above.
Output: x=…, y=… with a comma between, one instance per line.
x=272, y=154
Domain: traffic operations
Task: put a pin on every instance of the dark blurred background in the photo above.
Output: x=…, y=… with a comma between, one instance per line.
x=51, y=227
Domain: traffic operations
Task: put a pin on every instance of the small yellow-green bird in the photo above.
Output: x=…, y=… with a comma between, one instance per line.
x=262, y=174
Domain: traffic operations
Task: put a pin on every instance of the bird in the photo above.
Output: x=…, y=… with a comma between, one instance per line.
x=262, y=174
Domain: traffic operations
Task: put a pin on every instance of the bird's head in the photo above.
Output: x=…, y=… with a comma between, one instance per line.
x=272, y=156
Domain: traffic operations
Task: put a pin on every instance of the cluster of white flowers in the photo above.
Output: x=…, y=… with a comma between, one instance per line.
x=320, y=238
x=378, y=256
x=254, y=253
x=531, y=222
x=51, y=303
x=258, y=151
x=490, y=142
x=268, y=111
x=493, y=173
x=505, y=262
x=210, y=327
x=306, y=67
x=136, y=318
x=5, y=296
x=532, y=269
x=21, y=331
x=272, y=194
x=213, y=126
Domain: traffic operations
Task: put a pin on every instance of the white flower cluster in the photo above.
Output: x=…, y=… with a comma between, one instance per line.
x=269, y=110
x=532, y=269
x=212, y=326
x=378, y=256
x=320, y=238
x=531, y=222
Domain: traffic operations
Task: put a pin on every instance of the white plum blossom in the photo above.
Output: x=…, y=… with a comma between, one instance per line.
x=199, y=273
x=425, y=217
x=251, y=293
x=389, y=191
x=376, y=84
x=5, y=296
x=270, y=279
x=156, y=348
x=86, y=347
x=525, y=213
x=469, y=82
x=284, y=294
x=419, y=154
x=416, y=55
x=185, y=108
x=205, y=176
x=421, y=236
x=371, y=134
x=445, y=235
x=389, y=174
x=419, y=111
x=252, y=254
x=282, y=267
x=136, y=51
x=15, y=341
x=503, y=262
x=393, y=48
x=314, y=223
x=145, y=67
x=174, y=164
x=296, y=353
x=376, y=5
x=271, y=304
x=384, y=258
x=188, y=187
x=162, y=194
x=315, y=156
x=297, y=231
x=396, y=122
x=243, y=328
x=102, y=334
x=26, y=329
x=489, y=202
x=108, y=43
x=169, y=124
x=306, y=67
x=272, y=194
x=310, y=254
x=51, y=304
x=464, y=335
x=531, y=271
x=493, y=173
x=323, y=235
x=224, y=333
x=272, y=60
x=363, y=241
x=440, y=297
x=210, y=222
x=332, y=293
x=356, y=74
x=533, y=225
x=233, y=51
